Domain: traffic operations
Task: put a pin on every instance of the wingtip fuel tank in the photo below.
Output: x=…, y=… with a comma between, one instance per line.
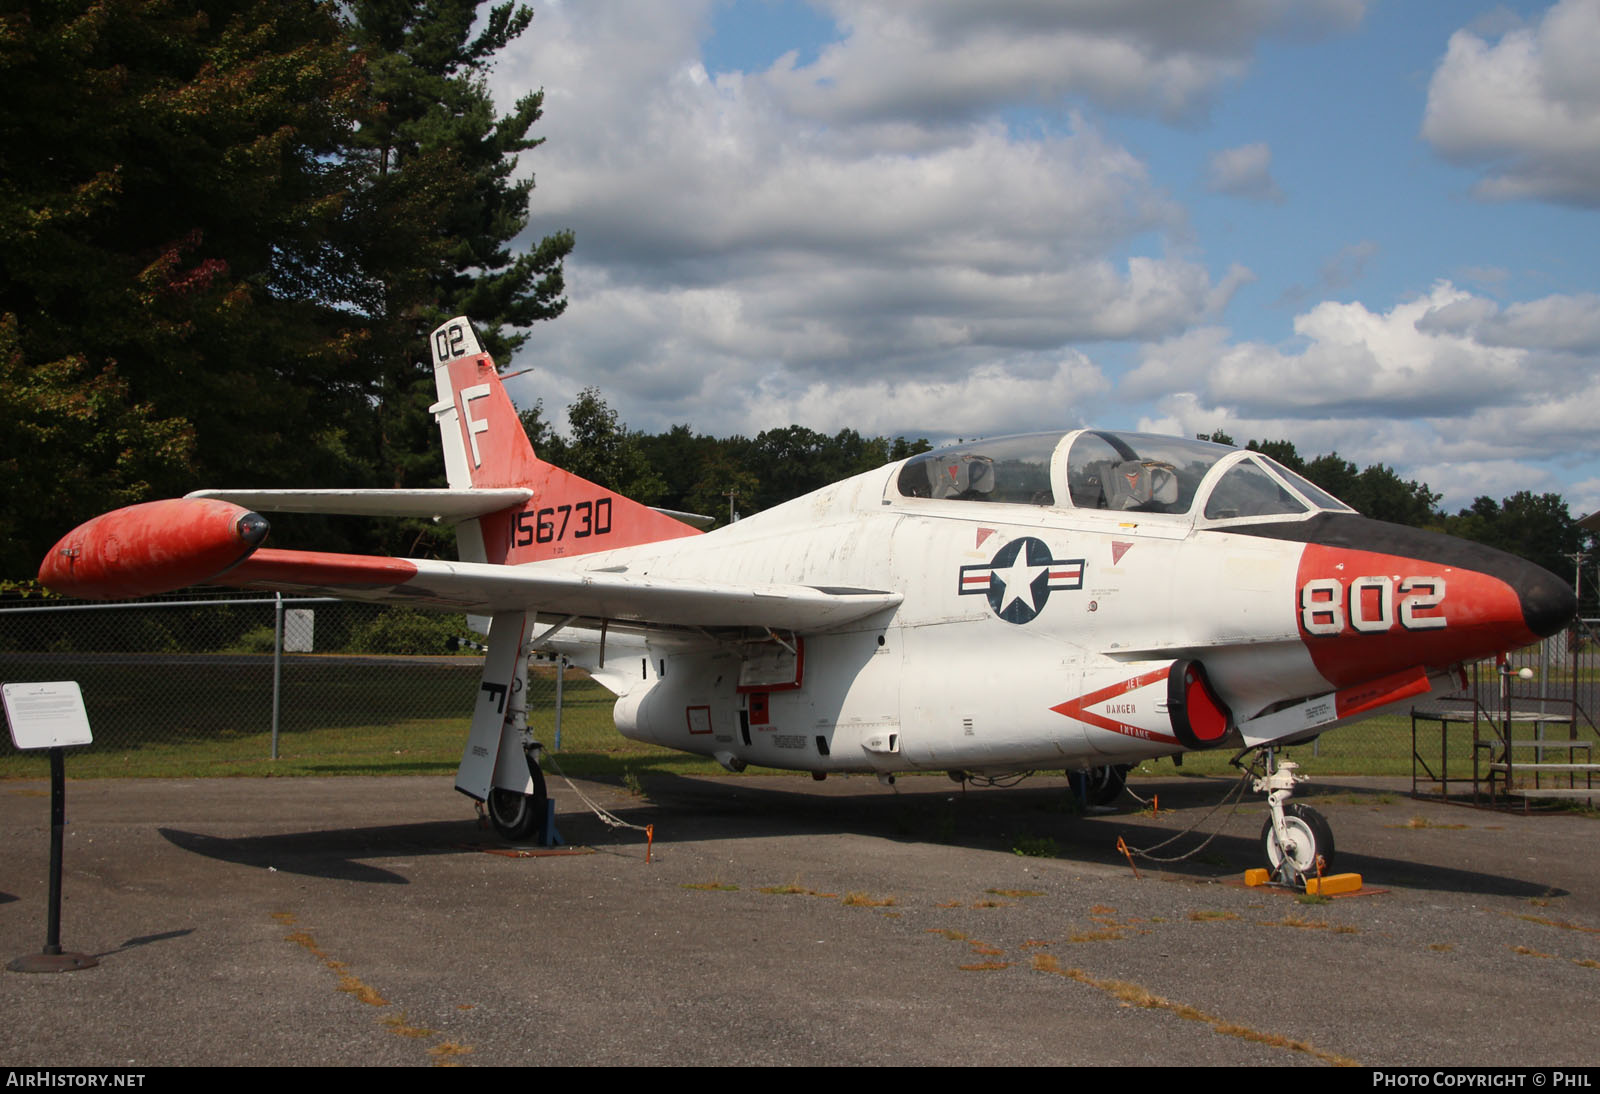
x=152, y=548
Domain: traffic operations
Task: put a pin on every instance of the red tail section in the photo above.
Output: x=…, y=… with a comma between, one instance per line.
x=486, y=447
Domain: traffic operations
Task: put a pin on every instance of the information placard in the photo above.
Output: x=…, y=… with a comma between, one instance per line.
x=47, y=715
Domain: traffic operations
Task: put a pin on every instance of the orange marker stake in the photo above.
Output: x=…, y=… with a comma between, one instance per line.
x=649, y=841
x=1123, y=847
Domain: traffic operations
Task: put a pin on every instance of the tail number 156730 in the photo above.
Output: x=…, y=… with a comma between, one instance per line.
x=558, y=522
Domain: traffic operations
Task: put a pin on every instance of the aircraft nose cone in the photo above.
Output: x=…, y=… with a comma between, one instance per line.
x=1547, y=602
x=1373, y=597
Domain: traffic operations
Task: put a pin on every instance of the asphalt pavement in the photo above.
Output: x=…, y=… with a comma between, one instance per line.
x=372, y=921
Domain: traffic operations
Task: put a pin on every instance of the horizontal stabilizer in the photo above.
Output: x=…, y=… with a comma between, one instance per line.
x=449, y=505
x=693, y=520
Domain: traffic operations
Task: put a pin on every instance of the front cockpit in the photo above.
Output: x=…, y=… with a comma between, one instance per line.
x=1100, y=470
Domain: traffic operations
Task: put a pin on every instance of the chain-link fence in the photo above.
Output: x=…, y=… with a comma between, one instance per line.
x=223, y=683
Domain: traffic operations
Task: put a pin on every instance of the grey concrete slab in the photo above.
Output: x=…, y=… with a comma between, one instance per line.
x=367, y=921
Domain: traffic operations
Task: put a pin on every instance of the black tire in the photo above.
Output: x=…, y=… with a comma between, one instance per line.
x=1310, y=837
x=518, y=817
x=1104, y=785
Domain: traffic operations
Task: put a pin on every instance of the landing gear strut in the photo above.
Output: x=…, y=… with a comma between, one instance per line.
x=1296, y=839
x=520, y=817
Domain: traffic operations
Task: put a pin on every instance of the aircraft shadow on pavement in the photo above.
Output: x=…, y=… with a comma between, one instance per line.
x=927, y=812
x=338, y=854
x=689, y=809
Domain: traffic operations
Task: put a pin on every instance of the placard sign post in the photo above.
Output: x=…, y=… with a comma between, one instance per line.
x=50, y=715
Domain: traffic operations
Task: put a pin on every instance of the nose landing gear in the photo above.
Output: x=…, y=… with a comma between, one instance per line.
x=1296, y=839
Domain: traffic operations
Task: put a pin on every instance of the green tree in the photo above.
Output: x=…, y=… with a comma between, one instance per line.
x=1282, y=451
x=433, y=127
x=604, y=451
x=169, y=172
x=1376, y=491
x=432, y=143
x=245, y=215
x=69, y=438
x=1536, y=527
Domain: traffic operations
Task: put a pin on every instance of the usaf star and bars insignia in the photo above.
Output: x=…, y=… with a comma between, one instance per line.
x=1020, y=579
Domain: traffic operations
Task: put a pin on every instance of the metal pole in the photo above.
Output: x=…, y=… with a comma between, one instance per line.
x=58, y=821
x=277, y=666
x=1544, y=670
x=53, y=959
x=561, y=677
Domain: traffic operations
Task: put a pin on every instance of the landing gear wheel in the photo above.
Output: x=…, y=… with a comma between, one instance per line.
x=1309, y=837
x=520, y=817
x=1104, y=785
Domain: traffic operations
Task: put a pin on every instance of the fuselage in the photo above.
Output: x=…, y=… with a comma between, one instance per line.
x=1039, y=627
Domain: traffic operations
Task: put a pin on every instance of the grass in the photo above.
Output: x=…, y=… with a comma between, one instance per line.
x=1377, y=746
x=1035, y=846
x=210, y=715
x=1136, y=995
x=865, y=900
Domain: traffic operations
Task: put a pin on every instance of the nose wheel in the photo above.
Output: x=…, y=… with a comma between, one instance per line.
x=1306, y=838
x=1296, y=839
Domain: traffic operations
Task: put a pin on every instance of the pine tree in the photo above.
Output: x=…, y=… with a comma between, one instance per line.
x=432, y=142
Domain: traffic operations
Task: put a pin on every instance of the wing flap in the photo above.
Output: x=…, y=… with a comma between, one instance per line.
x=483, y=588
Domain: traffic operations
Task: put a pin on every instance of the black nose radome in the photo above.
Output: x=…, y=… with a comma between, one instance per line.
x=1547, y=601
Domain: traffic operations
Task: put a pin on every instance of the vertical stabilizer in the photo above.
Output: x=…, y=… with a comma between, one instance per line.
x=485, y=446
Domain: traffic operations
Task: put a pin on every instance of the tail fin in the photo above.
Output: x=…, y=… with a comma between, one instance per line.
x=486, y=447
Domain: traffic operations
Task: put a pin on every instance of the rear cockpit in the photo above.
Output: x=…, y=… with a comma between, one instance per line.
x=1091, y=469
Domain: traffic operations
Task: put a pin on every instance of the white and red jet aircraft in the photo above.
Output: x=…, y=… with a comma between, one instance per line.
x=1079, y=600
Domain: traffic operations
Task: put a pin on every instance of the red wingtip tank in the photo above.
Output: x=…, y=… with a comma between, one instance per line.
x=152, y=548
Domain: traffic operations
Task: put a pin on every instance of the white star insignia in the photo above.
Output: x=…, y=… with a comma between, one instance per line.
x=1018, y=579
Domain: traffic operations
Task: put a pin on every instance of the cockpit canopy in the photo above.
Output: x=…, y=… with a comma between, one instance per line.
x=1121, y=472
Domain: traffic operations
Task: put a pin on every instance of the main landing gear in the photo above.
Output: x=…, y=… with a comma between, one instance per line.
x=1295, y=838
x=1104, y=785
x=519, y=817
x=1097, y=787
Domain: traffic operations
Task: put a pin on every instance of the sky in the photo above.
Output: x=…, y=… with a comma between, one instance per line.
x=1362, y=226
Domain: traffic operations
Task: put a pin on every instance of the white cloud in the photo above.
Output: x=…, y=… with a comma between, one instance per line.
x=1448, y=387
x=1527, y=107
x=1569, y=323
x=736, y=247
x=864, y=241
x=1352, y=361
x=932, y=62
x=1583, y=497
x=1460, y=483
x=1245, y=171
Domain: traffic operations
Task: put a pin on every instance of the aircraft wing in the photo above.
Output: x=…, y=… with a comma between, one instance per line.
x=164, y=545
x=483, y=588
